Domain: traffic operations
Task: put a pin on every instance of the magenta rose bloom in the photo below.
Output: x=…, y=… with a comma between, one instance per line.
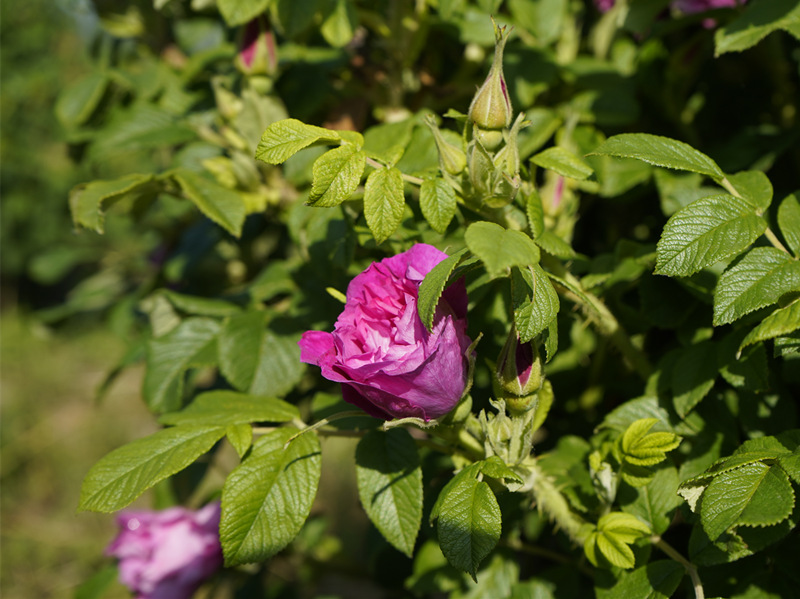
x=388, y=363
x=167, y=554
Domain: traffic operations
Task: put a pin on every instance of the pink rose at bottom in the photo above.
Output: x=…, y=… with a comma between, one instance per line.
x=388, y=363
x=167, y=554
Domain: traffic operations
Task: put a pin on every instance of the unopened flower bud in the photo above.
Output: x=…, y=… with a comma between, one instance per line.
x=519, y=368
x=257, y=55
x=452, y=159
x=491, y=106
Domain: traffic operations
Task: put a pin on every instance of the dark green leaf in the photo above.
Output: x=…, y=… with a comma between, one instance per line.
x=88, y=201
x=190, y=344
x=390, y=485
x=782, y=321
x=761, y=278
x=656, y=580
x=127, y=472
x=534, y=299
x=222, y=205
x=224, y=408
x=759, y=19
x=707, y=231
x=432, y=287
x=267, y=498
x=384, y=202
x=656, y=502
x=789, y=222
x=660, y=151
x=693, y=376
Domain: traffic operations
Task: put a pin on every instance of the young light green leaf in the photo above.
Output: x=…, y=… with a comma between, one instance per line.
x=127, y=472
x=384, y=202
x=469, y=524
x=432, y=287
x=693, y=376
x=535, y=213
x=753, y=186
x=336, y=175
x=438, y=203
x=88, y=201
x=789, y=222
x=500, y=249
x=268, y=497
x=781, y=322
x=706, y=231
x=285, y=138
x=534, y=299
x=239, y=12
x=225, y=408
x=756, y=494
x=759, y=19
x=565, y=163
x=340, y=24
x=390, y=485
x=660, y=151
x=190, y=344
x=615, y=532
x=240, y=436
x=760, y=278
x=222, y=205
x=643, y=449
x=255, y=359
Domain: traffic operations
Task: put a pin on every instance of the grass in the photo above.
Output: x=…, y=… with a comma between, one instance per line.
x=51, y=432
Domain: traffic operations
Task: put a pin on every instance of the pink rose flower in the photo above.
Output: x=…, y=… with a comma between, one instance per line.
x=388, y=363
x=167, y=554
x=693, y=6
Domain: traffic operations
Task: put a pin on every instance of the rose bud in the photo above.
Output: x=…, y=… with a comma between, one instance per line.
x=388, y=363
x=519, y=372
x=452, y=160
x=491, y=106
x=167, y=554
x=257, y=55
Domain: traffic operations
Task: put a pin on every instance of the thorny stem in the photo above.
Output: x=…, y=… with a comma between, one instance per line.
x=769, y=233
x=691, y=570
x=409, y=178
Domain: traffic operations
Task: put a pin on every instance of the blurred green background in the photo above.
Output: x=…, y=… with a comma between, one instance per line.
x=52, y=428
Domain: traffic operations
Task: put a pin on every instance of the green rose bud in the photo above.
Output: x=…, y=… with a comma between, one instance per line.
x=491, y=106
x=452, y=159
x=519, y=368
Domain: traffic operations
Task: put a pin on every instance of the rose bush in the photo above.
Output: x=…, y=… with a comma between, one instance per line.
x=167, y=554
x=388, y=363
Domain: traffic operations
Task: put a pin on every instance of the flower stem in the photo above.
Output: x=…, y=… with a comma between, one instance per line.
x=691, y=569
x=323, y=422
x=551, y=501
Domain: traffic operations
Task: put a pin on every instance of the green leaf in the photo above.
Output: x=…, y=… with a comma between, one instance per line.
x=760, y=278
x=268, y=497
x=753, y=186
x=285, y=138
x=759, y=19
x=495, y=467
x=660, y=151
x=225, y=408
x=643, y=449
x=336, y=175
x=535, y=301
x=565, y=163
x=656, y=580
x=781, y=322
x=432, y=287
x=438, y=203
x=791, y=464
x=500, y=249
x=190, y=344
x=789, y=222
x=390, y=485
x=78, y=102
x=656, y=502
x=222, y=205
x=200, y=306
x=706, y=231
x=294, y=16
x=88, y=201
x=753, y=495
x=340, y=24
x=127, y=472
x=98, y=584
x=535, y=213
x=240, y=436
x=693, y=376
x=384, y=202
x=469, y=523
x=255, y=359
x=615, y=531
x=239, y=12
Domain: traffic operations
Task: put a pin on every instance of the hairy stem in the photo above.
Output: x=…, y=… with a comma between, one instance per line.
x=691, y=569
x=551, y=501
